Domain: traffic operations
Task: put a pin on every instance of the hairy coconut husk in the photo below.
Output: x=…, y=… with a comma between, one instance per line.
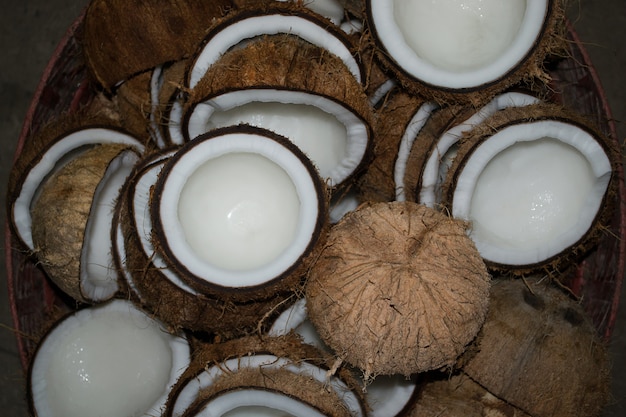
x=117, y=45
x=133, y=98
x=459, y=396
x=290, y=347
x=527, y=114
x=183, y=308
x=539, y=351
x=531, y=70
x=61, y=213
x=398, y=289
x=377, y=183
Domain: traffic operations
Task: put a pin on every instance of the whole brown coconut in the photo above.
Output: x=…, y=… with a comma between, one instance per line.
x=539, y=352
x=398, y=289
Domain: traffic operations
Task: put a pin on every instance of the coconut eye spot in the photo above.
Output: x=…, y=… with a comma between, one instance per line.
x=469, y=33
x=533, y=300
x=531, y=192
x=239, y=211
x=322, y=137
x=573, y=317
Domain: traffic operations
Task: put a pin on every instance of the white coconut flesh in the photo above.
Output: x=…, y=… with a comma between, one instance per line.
x=156, y=83
x=531, y=191
x=239, y=209
x=331, y=9
x=54, y=158
x=386, y=395
x=188, y=394
x=331, y=135
x=270, y=24
x=476, y=41
x=143, y=220
x=108, y=360
x=441, y=158
x=98, y=274
x=174, y=121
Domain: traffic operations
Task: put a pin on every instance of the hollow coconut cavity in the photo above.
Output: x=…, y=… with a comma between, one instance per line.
x=47, y=151
x=536, y=183
x=295, y=89
x=480, y=47
x=268, y=376
x=159, y=288
x=73, y=221
x=239, y=212
x=111, y=359
x=539, y=351
x=385, y=396
x=398, y=289
x=425, y=170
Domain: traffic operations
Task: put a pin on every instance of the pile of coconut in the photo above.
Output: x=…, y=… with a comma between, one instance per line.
x=317, y=208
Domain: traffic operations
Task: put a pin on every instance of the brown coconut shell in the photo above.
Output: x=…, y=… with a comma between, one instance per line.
x=118, y=45
x=177, y=307
x=457, y=395
x=398, y=289
x=527, y=114
x=133, y=98
x=289, y=346
x=530, y=70
x=61, y=213
x=539, y=351
x=377, y=183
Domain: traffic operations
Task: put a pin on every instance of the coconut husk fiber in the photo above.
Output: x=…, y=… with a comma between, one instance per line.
x=61, y=213
x=290, y=347
x=539, y=351
x=117, y=45
x=398, y=289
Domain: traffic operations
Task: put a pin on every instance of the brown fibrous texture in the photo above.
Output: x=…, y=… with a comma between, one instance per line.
x=398, y=289
x=539, y=351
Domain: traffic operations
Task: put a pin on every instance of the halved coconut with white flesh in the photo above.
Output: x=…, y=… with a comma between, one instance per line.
x=295, y=89
x=72, y=221
x=386, y=395
x=111, y=359
x=49, y=149
x=539, y=351
x=118, y=46
x=425, y=170
x=465, y=51
x=537, y=185
x=158, y=287
x=398, y=288
x=240, y=212
x=264, y=376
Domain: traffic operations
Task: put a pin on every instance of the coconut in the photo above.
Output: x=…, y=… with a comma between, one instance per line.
x=539, y=351
x=427, y=166
x=398, y=289
x=117, y=45
x=240, y=212
x=158, y=288
x=537, y=184
x=385, y=396
x=457, y=395
x=264, y=376
x=295, y=89
x=481, y=48
x=167, y=105
x=111, y=359
x=72, y=221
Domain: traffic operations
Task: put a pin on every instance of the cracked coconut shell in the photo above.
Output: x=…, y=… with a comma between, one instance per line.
x=398, y=289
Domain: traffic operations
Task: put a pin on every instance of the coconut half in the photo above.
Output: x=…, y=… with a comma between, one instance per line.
x=539, y=351
x=398, y=289
x=536, y=184
x=449, y=50
x=295, y=89
x=385, y=396
x=264, y=376
x=73, y=221
x=239, y=212
x=111, y=359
